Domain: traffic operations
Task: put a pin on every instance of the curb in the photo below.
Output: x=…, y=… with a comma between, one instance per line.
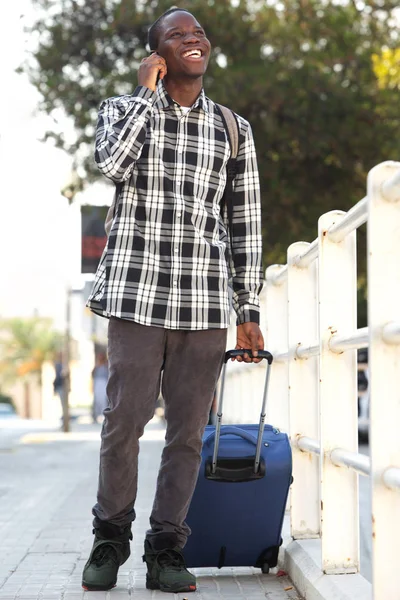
x=301, y=559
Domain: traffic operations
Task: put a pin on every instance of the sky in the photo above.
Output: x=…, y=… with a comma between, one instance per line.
x=40, y=237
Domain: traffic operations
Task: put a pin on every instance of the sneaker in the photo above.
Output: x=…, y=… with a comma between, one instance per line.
x=110, y=550
x=166, y=570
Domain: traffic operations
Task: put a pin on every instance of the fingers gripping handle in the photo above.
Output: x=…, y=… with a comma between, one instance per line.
x=261, y=354
x=232, y=354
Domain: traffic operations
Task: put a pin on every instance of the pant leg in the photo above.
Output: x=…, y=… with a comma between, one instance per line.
x=192, y=366
x=136, y=355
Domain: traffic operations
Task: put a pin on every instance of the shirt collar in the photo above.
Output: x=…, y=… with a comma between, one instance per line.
x=163, y=99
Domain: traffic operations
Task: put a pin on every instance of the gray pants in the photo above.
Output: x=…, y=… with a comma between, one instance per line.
x=192, y=362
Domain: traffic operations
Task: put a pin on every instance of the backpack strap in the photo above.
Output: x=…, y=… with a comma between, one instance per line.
x=232, y=128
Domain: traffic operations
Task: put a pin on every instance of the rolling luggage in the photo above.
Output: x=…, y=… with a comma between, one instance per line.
x=239, y=502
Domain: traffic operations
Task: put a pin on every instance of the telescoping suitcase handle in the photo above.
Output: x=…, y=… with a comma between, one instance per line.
x=233, y=354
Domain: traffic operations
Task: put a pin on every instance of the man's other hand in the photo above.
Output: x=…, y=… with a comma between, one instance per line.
x=249, y=336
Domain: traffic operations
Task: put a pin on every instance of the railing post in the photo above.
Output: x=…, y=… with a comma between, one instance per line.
x=337, y=294
x=384, y=363
x=303, y=395
x=276, y=340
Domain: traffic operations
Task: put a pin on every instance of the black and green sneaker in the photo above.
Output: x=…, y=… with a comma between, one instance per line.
x=110, y=550
x=166, y=570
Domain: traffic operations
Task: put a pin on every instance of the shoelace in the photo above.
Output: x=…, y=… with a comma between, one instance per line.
x=171, y=558
x=103, y=554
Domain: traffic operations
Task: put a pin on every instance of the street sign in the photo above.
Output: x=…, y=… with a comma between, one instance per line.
x=93, y=236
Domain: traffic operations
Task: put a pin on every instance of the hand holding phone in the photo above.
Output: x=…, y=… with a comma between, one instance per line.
x=152, y=69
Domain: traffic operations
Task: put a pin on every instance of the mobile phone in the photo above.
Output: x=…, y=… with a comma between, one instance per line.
x=158, y=74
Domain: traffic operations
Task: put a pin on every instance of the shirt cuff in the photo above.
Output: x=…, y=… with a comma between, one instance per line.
x=145, y=93
x=248, y=313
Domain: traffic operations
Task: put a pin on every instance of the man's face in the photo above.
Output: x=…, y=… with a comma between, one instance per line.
x=184, y=46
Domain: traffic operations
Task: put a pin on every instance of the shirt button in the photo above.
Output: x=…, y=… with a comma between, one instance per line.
x=180, y=150
x=176, y=250
x=178, y=181
x=175, y=283
x=179, y=214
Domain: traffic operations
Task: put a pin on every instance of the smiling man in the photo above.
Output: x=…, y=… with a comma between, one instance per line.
x=163, y=283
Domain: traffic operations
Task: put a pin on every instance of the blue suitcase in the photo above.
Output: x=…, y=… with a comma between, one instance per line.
x=239, y=502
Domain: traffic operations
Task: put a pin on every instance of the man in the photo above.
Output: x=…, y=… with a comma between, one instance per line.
x=163, y=282
x=59, y=384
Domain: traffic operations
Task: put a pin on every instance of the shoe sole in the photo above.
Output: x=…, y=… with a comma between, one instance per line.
x=98, y=588
x=153, y=585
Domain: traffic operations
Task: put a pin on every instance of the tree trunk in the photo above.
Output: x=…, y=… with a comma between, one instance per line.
x=27, y=399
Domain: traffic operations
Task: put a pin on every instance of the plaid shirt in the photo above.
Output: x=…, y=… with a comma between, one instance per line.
x=166, y=262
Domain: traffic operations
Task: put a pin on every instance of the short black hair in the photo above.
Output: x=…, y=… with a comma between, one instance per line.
x=155, y=29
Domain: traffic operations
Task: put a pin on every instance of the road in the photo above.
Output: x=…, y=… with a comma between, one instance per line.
x=47, y=488
x=11, y=432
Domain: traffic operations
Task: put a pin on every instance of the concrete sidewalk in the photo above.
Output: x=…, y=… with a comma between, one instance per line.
x=47, y=488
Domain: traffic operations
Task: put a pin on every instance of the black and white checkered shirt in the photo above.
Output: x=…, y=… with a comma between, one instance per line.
x=165, y=263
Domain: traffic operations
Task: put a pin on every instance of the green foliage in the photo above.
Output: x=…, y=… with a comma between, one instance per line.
x=25, y=344
x=387, y=68
x=299, y=70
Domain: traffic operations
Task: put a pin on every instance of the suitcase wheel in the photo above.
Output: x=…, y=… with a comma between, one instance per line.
x=265, y=568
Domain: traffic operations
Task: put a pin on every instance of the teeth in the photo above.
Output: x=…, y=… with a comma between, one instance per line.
x=196, y=53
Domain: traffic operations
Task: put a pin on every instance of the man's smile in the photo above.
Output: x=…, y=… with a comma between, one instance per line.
x=193, y=54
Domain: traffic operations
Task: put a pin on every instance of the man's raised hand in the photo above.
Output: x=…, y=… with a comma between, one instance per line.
x=150, y=68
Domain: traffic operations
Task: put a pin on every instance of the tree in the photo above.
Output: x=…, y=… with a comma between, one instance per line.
x=25, y=344
x=299, y=70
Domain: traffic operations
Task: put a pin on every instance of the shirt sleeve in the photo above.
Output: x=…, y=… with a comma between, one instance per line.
x=246, y=242
x=121, y=132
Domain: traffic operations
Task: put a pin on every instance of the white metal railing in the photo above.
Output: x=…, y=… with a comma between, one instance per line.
x=310, y=319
